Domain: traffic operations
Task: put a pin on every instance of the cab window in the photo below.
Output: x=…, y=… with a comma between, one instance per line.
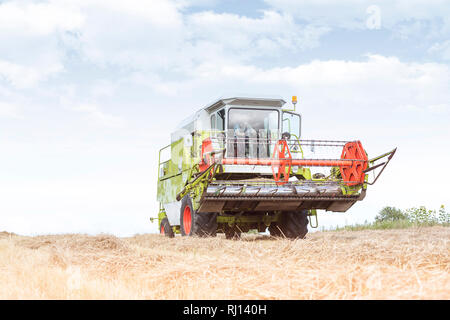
x=256, y=119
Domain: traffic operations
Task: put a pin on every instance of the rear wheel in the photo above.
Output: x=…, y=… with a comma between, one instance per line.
x=165, y=228
x=194, y=223
x=274, y=230
x=292, y=225
x=232, y=232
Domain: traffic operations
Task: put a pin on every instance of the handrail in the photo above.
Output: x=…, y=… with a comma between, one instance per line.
x=159, y=160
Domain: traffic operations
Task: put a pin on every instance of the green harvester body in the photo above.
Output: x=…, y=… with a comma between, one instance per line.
x=239, y=165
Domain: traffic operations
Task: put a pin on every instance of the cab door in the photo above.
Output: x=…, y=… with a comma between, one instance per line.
x=291, y=124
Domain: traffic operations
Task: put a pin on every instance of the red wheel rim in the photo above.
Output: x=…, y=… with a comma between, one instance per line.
x=162, y=230
x=187, y=220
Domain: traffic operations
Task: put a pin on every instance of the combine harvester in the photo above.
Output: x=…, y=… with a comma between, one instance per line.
x=239, y=164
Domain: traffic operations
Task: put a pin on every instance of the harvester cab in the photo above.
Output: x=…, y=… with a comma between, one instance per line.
x=240, y=164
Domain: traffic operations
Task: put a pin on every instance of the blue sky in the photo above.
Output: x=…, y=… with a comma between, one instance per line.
x=90, y=90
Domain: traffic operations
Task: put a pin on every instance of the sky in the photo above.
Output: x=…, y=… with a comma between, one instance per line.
x=91, y=90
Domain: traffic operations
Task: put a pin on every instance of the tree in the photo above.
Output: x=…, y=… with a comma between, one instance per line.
x=390, y=214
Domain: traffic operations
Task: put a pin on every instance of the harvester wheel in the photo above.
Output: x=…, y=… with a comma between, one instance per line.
x=232, y=232
x=292, y=225
x=165, y=228
x=192, y=223
x=274, y=230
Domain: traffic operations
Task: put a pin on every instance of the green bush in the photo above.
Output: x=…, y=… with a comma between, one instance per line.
x=390, y=214
x=422, y=215
x=393, y=218
x=444, y=216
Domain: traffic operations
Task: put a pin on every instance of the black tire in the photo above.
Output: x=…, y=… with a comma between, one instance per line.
x=165, y=228
x=274, y=230
x=292, y=225
x=203, y=224
x=232, y=232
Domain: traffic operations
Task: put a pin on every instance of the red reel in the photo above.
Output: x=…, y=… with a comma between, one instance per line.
x=354, y=175
x=282, y=169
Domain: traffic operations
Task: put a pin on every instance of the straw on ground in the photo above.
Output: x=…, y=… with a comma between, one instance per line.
x=370, y=264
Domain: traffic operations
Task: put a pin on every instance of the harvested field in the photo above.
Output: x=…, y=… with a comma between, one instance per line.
x=371, y=264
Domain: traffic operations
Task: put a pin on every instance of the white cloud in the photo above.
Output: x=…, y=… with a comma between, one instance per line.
x=441, y=108
x=103, y=88
x=431, y=15
x=136, y=34
x=153, y=34
x=8, y=110
x=438, y=109
x=178, y=42
x=95, y=114
x=23, y=76
x=157, y=36
x=265, y=36
x=383, y=79
x=157, y=12
x=442, y=49
x=38, y=18
x=29, y=46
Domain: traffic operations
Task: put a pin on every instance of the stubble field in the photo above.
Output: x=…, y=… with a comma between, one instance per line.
x=411, y=263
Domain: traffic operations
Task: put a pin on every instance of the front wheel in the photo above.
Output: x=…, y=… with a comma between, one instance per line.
x=194, y=223
x=292, y=225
